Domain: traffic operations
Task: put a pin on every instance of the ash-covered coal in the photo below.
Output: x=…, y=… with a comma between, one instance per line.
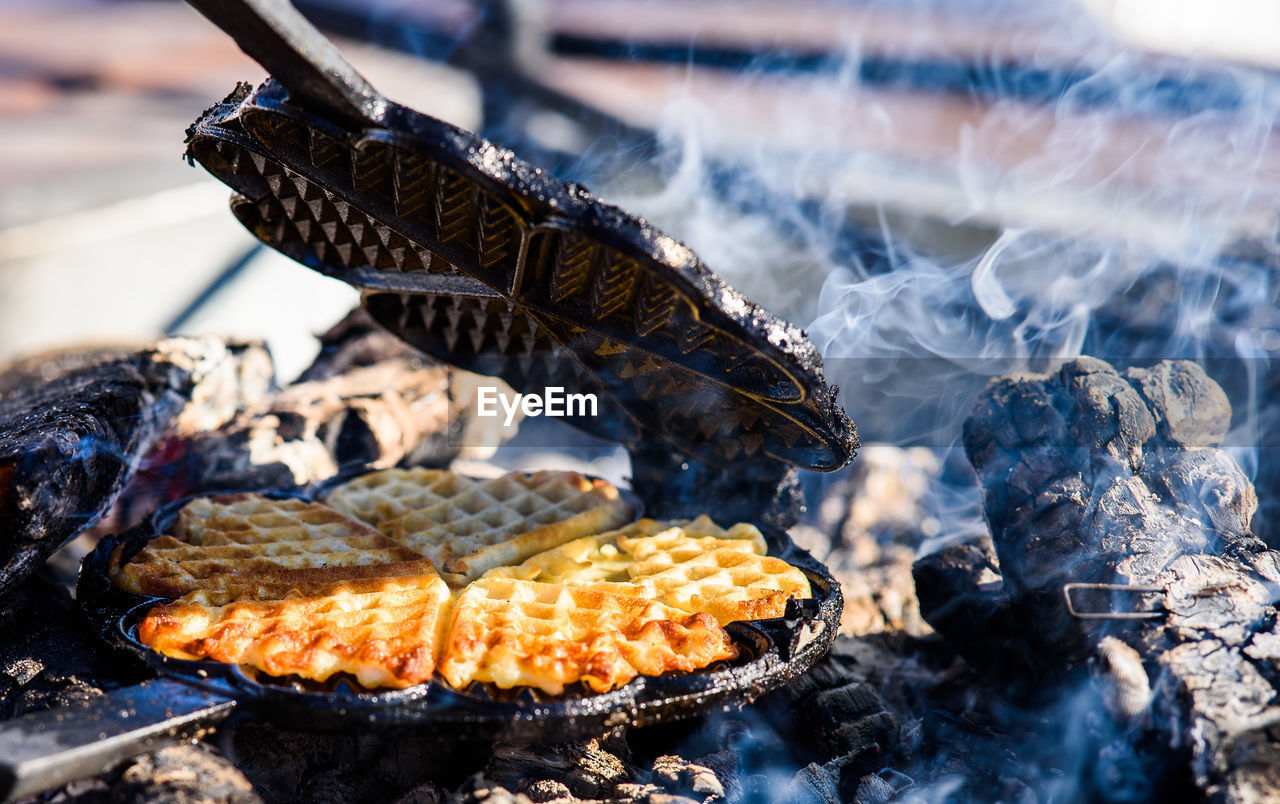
x=1094, y=475
x=192, y=773
x=832, y=736
x=870, y=524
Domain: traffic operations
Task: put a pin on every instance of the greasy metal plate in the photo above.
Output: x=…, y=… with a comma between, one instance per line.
x=773, y=652
x=413, y=210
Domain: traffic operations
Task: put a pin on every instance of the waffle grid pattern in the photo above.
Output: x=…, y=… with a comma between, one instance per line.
x=249, y=546
x=363, y=206
x=694, y=566
x=294, y=588
x=469, y=526
x=510, y=632
x=385, y=636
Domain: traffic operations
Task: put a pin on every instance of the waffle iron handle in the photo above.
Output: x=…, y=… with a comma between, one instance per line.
x=279, y=38
x=50, y=748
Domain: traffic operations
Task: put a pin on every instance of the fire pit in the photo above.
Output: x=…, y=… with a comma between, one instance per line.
x=1061, y=590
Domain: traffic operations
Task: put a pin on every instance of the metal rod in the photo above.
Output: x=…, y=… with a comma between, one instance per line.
x=50, y=748
x=1068, y=588
x=275, y=35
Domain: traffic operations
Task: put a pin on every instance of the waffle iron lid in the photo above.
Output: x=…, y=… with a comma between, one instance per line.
x=480, y=259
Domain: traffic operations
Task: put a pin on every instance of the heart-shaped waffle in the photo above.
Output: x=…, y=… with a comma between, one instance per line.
x=692, y=565
x=511, y=633
x=288, y=587
x=468, y=526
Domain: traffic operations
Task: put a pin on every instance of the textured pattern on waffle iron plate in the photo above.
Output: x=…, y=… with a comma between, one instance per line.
x=693, y=566
x=511, y=632
x=671, y=346
x=385, y=634
x=251, y=547
x=468, y=526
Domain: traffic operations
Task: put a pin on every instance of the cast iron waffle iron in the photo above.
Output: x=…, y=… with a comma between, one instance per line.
x=475, y=257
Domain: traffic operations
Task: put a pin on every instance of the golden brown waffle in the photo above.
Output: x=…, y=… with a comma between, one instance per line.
x=694, y=566
x=469, y=526
x=383, y=631
x=510, y=632
x=289, y=587
x=250, y=547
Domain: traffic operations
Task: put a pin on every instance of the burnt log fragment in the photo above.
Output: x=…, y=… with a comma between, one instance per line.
x=1101, y=477
x=590, y=769
x=368, y=399
x=70, y=438
x=378, y=415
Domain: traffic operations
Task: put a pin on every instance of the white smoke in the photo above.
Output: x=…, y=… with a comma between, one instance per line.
x=1011, y=213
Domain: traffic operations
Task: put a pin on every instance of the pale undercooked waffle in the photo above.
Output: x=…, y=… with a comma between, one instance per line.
x=250, y=547
x=510, y=632
x=694, y=566
x=291, y=588
x=469, y=526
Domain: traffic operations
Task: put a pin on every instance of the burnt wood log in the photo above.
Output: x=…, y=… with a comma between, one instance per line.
x=367, y=399
x=397, y=410
x=73, y=431
x=357, y=340
x=1097, y=476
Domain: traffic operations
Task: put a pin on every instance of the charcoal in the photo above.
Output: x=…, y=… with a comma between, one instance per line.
x=727, y=767
x=48, y=657
x=182, y=774
x=815, y=784
x=670, y=798
x=1128, y=688
x=962, y=595
x=284, y=765
x=1094, y=475
x=427, y=793
x=873, y=790
x=69, y=443
x=478, y=788
x=547, y=790
x=678, y=775
x=588, y=769
x=192, y=773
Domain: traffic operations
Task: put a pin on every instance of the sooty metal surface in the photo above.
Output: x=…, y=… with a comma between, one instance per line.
x=773, y=652
x=474, y=256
